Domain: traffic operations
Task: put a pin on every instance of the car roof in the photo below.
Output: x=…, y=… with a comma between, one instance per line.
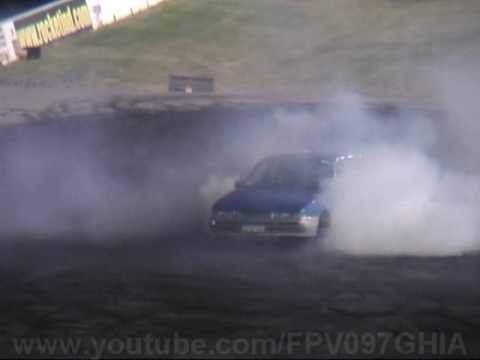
x=314, y=156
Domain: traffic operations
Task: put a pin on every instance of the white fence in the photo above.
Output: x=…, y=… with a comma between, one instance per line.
x=104, y=12
x=7, y=49
x=58, y=19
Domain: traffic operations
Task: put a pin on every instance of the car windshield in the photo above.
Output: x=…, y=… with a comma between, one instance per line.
x=289, y=173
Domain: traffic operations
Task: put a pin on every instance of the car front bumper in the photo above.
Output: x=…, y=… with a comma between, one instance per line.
x=260, y=228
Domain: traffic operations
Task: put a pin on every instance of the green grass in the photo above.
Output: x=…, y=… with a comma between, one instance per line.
x=382, y=47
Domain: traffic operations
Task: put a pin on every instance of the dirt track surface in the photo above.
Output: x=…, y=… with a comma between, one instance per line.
x=201, y=292
x=159, y=275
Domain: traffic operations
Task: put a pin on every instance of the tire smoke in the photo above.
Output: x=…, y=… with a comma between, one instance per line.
x=413, y=191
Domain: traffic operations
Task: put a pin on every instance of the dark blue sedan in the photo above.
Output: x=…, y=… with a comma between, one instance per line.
x=280, y=197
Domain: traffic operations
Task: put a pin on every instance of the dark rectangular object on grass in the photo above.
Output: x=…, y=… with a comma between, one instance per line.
x=190, y=84
x=34, y=53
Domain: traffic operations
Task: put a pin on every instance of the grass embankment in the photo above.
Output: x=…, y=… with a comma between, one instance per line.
x=313, y=47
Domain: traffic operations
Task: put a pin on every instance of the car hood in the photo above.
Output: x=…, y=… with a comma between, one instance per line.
x=260, y=200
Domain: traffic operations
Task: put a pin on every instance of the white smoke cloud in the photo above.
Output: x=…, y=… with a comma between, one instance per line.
x=397, y=201
x=415, y=190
